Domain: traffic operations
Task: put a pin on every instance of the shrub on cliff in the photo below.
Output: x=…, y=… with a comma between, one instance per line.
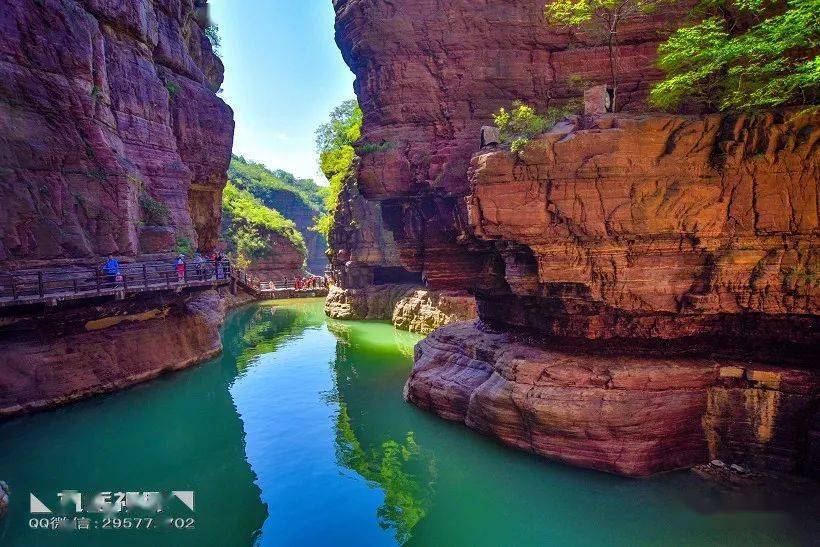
x=154, y=212
x=518, y=125
x=334, y=143
x=746, y=54
x=245, y=221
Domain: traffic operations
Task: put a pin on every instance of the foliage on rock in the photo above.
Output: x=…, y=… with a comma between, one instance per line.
x=521, y=123
x=745, y=55
x=246, y=223
x=334, y=142
x=604, y=18
x=265, y=184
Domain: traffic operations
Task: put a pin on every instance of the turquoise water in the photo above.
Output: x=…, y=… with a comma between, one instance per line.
x=298, y=435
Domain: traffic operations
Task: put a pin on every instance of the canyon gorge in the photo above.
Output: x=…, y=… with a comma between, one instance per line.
x=645, y=283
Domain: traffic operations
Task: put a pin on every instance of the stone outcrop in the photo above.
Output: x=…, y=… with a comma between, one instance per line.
x=104, y=103
x=112, y=141
x=5, y=493
x=430, y=73
x=284, y=260
x=362, y=250
x=409, y=307
x=658, y=267
x=61, y=356
x=657, y=227
x=623, y=414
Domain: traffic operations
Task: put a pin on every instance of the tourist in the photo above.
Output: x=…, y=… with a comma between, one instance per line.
x=198, y=262
x=111, y=269
x=218, y=267
x=180, y=268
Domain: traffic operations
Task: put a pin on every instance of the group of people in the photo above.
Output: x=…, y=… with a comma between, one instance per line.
x=210, y=267
x=312, y=282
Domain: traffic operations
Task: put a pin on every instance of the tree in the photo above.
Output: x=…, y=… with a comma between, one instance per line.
x=334, y=143
x=746, y=54
x=601, y=17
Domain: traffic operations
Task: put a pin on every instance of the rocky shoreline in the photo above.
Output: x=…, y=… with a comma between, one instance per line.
x=629, y=415
x=409, y=307
x=55, y=359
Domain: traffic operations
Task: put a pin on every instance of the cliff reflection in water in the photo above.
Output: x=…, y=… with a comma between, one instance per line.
x=385, y=457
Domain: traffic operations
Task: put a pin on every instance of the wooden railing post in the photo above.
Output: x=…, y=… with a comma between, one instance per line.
x=145, y=275
x=76, y=288
x=40, y=286
x=97, y=277
x=13, y=288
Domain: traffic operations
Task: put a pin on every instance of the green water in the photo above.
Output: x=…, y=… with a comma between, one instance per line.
x=298, y=435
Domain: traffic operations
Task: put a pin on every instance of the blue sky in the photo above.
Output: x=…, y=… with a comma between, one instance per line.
x=283, y=76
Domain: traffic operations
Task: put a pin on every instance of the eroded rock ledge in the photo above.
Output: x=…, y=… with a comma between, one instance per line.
x=622, y=414
x=55, y=358
x=409, y=307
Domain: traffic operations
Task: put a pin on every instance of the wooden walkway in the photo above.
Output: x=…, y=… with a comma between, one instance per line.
x=74, y=283
x=266, y=290
x=54, y=285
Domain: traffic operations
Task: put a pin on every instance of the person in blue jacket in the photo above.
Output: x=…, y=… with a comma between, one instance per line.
x=111, y=268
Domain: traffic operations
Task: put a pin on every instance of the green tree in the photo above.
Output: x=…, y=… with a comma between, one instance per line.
x=746, y=54
x=601, y=17
x=334, y=143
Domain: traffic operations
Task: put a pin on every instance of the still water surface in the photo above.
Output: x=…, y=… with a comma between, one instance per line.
x=298, y=435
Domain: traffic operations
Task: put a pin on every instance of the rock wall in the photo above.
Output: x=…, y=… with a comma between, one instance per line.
x=657, y=267
x=283, y=263
x=623, y=414
x=58, y=356
x=430, y=73
x=657, y=227
x=102, y=102
x=409, y=307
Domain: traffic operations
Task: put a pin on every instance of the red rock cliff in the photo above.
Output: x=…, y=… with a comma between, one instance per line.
x=430, y=73
x=102, y=101
x=658, y=272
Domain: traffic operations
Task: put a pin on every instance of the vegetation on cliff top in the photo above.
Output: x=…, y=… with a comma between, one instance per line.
x=246, y=223
x=602, y=18
x=518, y=125
x=746, y=54
x=334, y=143
x=268, y=185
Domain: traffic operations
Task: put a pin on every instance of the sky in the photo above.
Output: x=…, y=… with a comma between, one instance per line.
x=283, y=76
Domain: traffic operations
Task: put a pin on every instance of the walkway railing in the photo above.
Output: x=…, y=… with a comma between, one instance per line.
x=73, y=283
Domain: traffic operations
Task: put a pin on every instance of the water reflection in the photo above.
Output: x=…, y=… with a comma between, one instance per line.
x=393, y=462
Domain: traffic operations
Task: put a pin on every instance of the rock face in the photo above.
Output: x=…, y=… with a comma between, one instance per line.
x=622, y=414
x=4, y=498
x=657, y=228
x=362, y=250
x=409, y=307
x=283, y=263
x=430, y=73
x=295, y=209
x=112, y=141
x=657, y=267
x=103, y=102
x=62, y=356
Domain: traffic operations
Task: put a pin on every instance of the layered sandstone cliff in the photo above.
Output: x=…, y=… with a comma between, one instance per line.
x=58, y=356
x=112, y=141
x=104, y=103
x=623, y=414
x=658, y=271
